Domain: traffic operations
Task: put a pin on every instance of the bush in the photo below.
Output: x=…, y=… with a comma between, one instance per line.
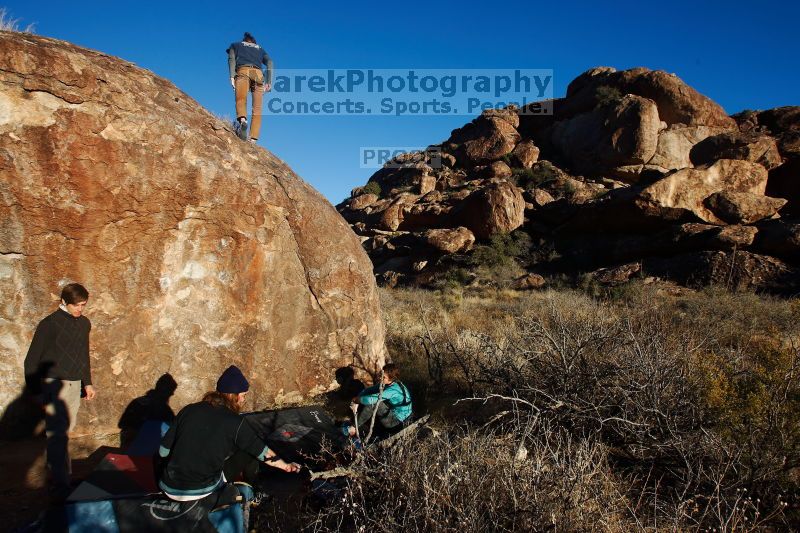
x=500, y=250
x=540, y=174
x=530, y=478
x=372, y=187
x=606, y=95
x=694, y=400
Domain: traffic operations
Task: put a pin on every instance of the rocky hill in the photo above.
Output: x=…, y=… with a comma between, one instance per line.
x=632, y=173
x=199, y=250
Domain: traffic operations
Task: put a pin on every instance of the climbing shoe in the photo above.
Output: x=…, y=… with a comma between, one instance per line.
x=240, y=127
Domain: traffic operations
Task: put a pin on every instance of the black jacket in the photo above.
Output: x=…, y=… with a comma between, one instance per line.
x=59, y=349
x=198, y=443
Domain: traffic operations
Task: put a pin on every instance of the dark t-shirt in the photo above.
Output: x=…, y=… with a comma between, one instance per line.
x=198, y=443
x=248, y=54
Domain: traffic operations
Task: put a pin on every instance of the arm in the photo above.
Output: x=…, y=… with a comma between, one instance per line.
x=369, y=395
x=86, y=377
x=248, y=441
x=167, y=441
x=33, y=359
x=268, y=62
x=231, y=62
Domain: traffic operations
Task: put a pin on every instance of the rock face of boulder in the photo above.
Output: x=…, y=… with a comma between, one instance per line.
x=450, y=241
x=499, y=208
x=490, y=136
x=625, y=133
x=199, y=250
x=677, y=102
x=742, y=207
x=685, y=191
x=737, y=145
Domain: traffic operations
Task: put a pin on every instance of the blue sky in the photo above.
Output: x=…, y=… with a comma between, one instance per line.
x=741, y=56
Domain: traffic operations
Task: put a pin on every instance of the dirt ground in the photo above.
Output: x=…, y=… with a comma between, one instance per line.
x=23, y=492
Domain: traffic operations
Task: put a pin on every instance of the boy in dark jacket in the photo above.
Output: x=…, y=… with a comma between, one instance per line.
x=56, y=366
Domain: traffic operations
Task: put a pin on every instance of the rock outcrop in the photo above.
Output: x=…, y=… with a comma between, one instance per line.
x=634, y=173
x=199, y=251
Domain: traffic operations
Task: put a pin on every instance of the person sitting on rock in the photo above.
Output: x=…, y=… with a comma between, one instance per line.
x=244, y=63
x=198, y=448
x=393, y=405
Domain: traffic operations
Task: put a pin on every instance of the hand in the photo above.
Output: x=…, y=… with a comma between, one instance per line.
x=233, y=83
x=90, y=392
x=267, y=87
x=280, y=464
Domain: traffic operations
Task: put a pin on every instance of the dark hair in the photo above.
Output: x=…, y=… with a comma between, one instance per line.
x=223, y=399
x=391, y=371
x=74, y=293
x=249, y=37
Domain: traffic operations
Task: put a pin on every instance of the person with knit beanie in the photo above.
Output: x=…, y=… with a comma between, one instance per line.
x=206, y=434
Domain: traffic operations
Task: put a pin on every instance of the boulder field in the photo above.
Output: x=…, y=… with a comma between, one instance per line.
x=631, y=173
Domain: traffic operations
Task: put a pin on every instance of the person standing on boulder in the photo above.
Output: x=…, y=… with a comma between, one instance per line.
x=244, y=64
x=56, y=366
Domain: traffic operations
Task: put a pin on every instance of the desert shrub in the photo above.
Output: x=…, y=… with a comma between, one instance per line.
x=372, y=187
x=605, y=95
x=695, y=397
x=527, y=478
x=540, y=174
x=500, y=249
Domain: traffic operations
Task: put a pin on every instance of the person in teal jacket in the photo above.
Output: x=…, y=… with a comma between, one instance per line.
x=393, y=410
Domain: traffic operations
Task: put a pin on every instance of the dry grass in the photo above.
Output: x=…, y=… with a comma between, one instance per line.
x=659, y=409
x=7, y=23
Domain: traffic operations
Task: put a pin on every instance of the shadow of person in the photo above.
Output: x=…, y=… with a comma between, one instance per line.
x=22, y=447
x=349, y=388
x=153, y=405
x=23, y=417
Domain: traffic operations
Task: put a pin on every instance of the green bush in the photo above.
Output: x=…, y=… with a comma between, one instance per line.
x=372, y=187
x=539, y=174
x=606, y=95
x=500, y=250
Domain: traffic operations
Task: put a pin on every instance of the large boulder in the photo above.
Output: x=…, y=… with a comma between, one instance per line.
x=621, y=134
x=779, y=238
x=683, y=192
x=748, y=146
x=496, y=209
x=487, y=138
x=450, y=241
x=743, y=207
x=199, y=251
x=525, y=154
x=677, y=102
x=675, y=145
x=735, y=270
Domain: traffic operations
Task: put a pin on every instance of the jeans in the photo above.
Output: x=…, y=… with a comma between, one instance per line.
x=250, y=79
x=385, y=417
